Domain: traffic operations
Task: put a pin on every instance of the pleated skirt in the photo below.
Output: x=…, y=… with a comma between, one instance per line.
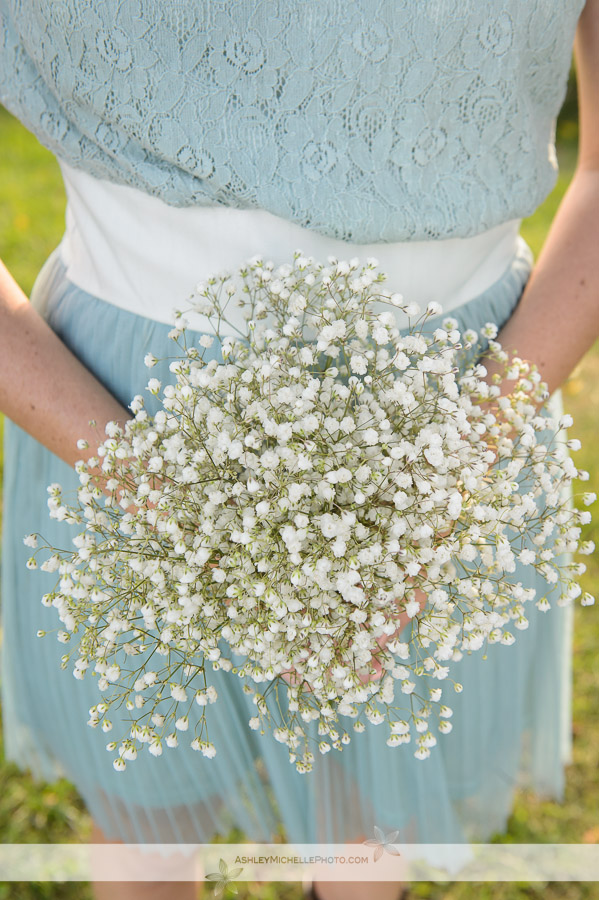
x=511, y=722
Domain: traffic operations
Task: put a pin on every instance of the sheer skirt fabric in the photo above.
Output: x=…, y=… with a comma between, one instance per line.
x=511, y=723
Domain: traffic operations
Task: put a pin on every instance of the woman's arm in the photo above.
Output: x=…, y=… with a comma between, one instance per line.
x=557, y=319
x=43, y=387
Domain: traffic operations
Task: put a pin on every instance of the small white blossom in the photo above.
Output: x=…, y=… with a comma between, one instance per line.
x=178, y=693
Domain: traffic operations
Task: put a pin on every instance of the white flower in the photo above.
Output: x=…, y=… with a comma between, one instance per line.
x=208, y=750
x=339, y=547
x=332, y=332
x=269, y=459
x=527, y=557
x=374, y=716
x=380, y=334
x=399, y=727
x=434, y=456
x=178, y=693
x=361, y=327
x=358, y=364
x=113, y=673
x=454, y=506
x=358, y=616
x=412, y=608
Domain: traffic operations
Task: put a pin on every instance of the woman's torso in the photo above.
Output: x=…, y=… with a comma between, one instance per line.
x=140, y=254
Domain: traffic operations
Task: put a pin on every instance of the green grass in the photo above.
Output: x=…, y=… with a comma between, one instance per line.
x=31, y=224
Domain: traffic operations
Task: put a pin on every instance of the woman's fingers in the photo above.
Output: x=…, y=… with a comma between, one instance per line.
x=292, y=678
x=402, y=620
x=376, y=668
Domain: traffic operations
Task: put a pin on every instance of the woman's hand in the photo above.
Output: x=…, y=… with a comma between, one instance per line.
x=43, y=387
x=403, y=619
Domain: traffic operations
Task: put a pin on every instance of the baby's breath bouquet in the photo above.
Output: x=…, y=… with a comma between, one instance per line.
x=330, y=507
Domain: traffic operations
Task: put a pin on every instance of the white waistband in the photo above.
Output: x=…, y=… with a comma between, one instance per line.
x=142, y=255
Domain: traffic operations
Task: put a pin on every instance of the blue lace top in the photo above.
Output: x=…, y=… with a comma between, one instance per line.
x=372, y=120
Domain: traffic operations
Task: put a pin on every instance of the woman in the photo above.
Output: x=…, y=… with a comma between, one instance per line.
x=191, y=138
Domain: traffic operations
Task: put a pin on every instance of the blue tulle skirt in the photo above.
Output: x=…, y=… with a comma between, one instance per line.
x=511, y=723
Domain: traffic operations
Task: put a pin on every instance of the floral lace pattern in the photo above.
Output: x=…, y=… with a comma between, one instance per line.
x=376, y=120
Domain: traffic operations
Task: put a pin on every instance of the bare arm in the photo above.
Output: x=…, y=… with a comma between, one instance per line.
x=557, y=319
x=43, y=386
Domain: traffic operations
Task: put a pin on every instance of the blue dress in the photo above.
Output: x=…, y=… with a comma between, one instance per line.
x=383, y=122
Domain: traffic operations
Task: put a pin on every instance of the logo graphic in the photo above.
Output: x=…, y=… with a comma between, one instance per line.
x=383, y=843
x=224, y=878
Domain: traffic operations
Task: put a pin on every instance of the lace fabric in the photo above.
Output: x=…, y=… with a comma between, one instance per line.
x=377, y=120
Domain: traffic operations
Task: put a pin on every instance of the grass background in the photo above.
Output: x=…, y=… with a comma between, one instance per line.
x=31, y=224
